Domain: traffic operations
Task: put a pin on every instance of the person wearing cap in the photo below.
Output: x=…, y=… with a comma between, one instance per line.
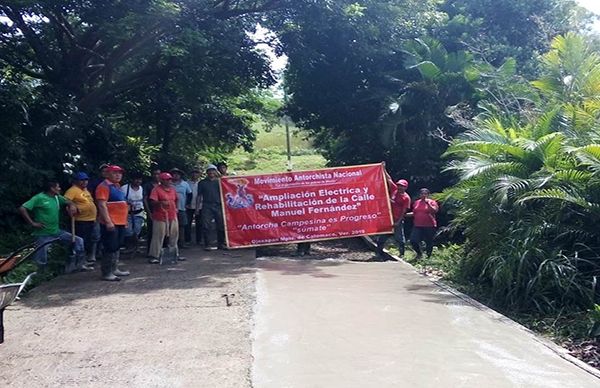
x=42, y=212
x=113, y=209
x=96, y=246
x=102, y=176
x=85, y=218
x=209, y=194
x=134, y=195
x=163, y=199
x=400, y=203
x=148, y=187
x=184, y=198
x=193, y=210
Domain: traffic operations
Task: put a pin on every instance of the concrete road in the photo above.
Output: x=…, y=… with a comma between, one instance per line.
x=161, y=327
x=345, y=324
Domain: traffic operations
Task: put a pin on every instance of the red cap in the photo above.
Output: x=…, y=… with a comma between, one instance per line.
x=114, y=167
x=402, y=182
x=165, y=176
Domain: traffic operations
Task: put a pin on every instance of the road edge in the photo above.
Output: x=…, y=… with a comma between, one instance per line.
x=554, y=347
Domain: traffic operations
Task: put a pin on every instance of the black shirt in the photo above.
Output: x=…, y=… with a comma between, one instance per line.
x=210, y=191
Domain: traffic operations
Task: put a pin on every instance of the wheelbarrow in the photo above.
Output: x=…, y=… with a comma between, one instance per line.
x=10, y=292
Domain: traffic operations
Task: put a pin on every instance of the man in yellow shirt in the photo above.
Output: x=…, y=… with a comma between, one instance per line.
x=86, y=211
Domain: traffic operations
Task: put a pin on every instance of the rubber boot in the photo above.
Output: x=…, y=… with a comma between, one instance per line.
x=92, y=255
x=80, y=263
x=106, y=266
x=115, y=267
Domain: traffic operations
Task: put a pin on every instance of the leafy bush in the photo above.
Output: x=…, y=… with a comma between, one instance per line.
x=527, y=198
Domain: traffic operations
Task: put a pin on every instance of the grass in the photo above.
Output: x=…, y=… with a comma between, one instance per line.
x=270, y=153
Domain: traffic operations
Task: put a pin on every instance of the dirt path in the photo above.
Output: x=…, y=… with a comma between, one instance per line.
x=162, y=327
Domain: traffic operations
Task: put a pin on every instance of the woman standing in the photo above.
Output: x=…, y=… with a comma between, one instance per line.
x=424, y=223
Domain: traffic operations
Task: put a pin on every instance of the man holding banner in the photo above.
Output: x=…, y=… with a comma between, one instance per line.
x=209, y=195
x=304, y=206
x=400, y=202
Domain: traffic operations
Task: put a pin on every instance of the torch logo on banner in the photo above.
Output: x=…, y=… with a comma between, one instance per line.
x=241, y=199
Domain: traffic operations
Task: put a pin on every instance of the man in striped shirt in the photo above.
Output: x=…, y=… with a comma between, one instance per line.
x=113, y=209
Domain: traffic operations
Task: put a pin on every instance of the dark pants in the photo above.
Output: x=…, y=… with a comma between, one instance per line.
x=182, y=220
x=303, y=248
x=112, y=240
x=191, y=218
x=212, y=223
x=148, y=233
x=398, y=236
x=420, y=234
x=84, y=229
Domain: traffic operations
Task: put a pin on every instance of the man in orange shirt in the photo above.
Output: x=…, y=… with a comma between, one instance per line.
x=113, y=209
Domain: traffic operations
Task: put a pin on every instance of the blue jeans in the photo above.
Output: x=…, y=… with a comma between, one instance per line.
x=134, y=225
x=398, y=236
x=41, y=256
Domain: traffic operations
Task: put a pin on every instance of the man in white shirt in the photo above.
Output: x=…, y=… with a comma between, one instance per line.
x=184, y=196
x=134, y=195
x=193, y=210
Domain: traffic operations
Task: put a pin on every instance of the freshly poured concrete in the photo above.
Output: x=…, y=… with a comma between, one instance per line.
x=345, y=324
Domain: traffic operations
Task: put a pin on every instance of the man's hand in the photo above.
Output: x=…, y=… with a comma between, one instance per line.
x=37, y=225
x=72, y=210
x=110, y=226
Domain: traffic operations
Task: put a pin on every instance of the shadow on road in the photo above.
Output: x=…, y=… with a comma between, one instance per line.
x=201, y=269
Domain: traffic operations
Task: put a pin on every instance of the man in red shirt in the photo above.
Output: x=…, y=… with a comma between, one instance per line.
x=424, y=223
x=400, y=201
x=112, y=215
x=163, y=201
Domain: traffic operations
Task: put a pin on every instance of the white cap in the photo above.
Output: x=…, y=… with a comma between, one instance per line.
x=211, y=167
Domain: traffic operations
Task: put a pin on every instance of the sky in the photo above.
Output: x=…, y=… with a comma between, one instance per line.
x=593, y=6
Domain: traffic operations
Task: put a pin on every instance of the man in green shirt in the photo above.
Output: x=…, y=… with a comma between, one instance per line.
x=42, y=212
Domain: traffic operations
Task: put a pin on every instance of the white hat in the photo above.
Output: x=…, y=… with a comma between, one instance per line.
x=211, y=167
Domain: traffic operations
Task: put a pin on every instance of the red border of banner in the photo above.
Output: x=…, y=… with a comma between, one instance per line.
x=387, y=195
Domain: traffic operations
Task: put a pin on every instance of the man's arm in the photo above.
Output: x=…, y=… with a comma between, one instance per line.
x=71, y=208
x=432, y=206
x=199, y=197
x=25, y=214
x=188, y=196
x=104, y=216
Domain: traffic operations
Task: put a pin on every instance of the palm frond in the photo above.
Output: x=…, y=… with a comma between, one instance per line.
x=557, y=194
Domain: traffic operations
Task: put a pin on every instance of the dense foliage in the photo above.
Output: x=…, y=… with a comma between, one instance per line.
x=371, y=81
x=528, y=199
x=83, y=83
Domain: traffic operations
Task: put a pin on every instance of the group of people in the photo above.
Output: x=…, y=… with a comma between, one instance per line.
x=109, y=215
x=423, y=212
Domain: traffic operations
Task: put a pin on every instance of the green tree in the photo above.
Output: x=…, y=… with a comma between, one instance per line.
x=357, y=89
x=496, y=30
